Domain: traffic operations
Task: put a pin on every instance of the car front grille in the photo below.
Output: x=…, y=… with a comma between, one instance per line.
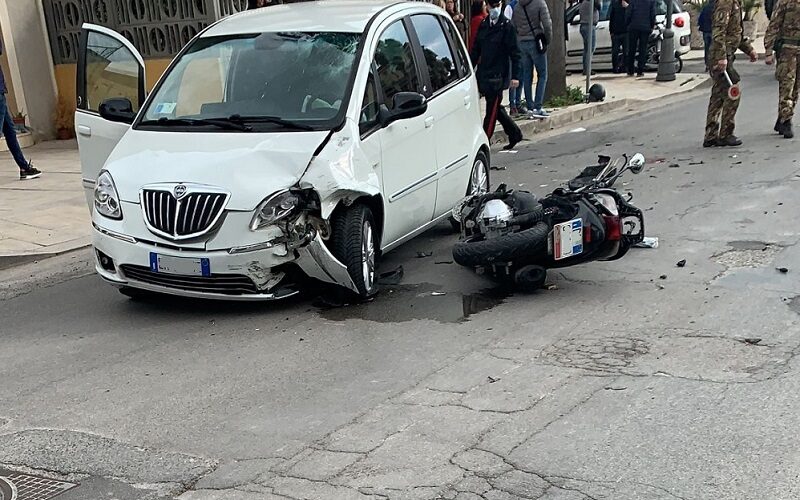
x=181, y=218
x=225, y=284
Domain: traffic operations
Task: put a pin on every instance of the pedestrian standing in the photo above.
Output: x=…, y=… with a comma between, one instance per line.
x=26, y=169
x=590, y=16
x=534, y=31
x=783, y=40
x=457, y=17
x=495, y=51
x=514, y=95
x=726, y=38
x=704, y=23
x=640, y=17
x=478, y=13
x=618, y=28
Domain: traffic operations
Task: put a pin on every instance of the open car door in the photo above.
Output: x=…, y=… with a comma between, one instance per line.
x=110, y=91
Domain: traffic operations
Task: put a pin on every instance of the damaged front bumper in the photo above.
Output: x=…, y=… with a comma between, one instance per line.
x=252, y=273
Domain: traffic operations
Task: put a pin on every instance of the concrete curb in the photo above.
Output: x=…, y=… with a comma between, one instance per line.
x=9, y=261
x=582, y=112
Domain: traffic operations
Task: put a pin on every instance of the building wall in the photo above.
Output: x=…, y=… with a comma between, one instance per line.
x=29, y=61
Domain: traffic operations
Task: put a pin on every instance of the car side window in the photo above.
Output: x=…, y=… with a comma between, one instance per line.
x=111, y=71
x=394, y=59
x=435, y=47
x=370, y=107
x=461, y=57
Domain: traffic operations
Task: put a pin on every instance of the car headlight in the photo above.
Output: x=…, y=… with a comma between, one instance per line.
x=106, y=199
x=273, y=209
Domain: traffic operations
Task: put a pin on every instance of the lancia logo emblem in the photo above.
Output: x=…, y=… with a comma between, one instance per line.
x=179, y=191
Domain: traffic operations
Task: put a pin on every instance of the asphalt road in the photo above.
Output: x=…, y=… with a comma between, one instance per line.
x=635, y=379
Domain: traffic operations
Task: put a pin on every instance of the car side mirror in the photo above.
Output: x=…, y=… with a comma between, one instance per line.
x=637, y=163
x=405, y=105
x=117, y=109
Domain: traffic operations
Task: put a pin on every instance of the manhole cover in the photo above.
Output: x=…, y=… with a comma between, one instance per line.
x=15, y=486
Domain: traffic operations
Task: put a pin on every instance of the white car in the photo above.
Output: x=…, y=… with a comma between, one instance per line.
x=294, y=142
x=602, y=55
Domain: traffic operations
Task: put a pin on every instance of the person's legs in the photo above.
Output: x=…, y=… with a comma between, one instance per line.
x=540, y=62
x=585, y=35
x=10, y=133
x=787, y=84
x=715, y=103
x=528, y=49
x=616, y=44
x=631, y=51
x=489, y=121
x=510, y=127
x=706, y=46
x=643, y=37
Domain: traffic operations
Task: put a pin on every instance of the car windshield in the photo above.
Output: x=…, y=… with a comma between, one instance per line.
x=267, y=81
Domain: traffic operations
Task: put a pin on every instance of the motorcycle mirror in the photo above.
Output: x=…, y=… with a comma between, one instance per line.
x=637, y=163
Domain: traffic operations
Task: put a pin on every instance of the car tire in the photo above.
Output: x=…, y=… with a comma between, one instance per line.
x=353, y=241
x=478, y=182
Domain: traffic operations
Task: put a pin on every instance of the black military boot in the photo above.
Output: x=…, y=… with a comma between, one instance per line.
x=777, y=127
x=785, y=128
x=729, y=141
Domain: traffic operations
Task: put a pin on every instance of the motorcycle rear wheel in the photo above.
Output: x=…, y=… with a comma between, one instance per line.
x=509, y=248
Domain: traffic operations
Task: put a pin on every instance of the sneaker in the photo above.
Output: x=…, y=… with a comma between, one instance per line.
x=640, y=74
x=730, y=141
x=540, y=113
x=29, y=173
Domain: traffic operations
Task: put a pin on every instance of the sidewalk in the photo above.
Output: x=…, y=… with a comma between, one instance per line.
x=43, y=216
x=622, y=92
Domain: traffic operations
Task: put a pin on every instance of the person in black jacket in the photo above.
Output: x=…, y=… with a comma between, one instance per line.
x=619, y=35
x=497, y=55
x=641, y=19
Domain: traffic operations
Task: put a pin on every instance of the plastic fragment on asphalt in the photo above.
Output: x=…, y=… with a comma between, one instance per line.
x=438, y=294
x=493, y=167
x=509, y=151
x=577, y=130
x=648, y=242
x=423, y=255
x=681, y=263
x=782, y=270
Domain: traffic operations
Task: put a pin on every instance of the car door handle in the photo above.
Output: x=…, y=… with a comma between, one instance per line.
x=429, y=122
x=84, y=130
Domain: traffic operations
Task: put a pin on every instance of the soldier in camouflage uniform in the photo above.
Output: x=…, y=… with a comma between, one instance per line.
x=783, y=36
x=726, y=38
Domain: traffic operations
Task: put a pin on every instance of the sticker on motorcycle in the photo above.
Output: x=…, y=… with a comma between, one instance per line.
x=568, y=239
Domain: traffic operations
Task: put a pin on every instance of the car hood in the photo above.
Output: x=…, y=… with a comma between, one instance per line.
x=251, y=166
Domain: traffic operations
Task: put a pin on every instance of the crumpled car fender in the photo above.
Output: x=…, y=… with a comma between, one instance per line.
x=341, y=171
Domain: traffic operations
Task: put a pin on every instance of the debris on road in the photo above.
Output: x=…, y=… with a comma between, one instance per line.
x=492, y=380
x=551, y=286
x=648, y=242
x=674, y=165
x=391, y=277
x=438, y=294
x=782, y=270
x=615, y=388
x=424, y=255
x=495, y=167
x=750, y=340
x=443, y=262
x=576, y=130
x=681, y=263
x=701, y=162
x=662, y=277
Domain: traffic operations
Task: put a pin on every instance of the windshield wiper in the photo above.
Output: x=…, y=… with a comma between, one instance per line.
x=216, y=122
x=237, y=118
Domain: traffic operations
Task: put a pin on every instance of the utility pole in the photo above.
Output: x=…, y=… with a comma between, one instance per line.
x=666, y=60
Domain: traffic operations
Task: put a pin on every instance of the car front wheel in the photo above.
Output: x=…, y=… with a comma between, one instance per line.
x=354, y=243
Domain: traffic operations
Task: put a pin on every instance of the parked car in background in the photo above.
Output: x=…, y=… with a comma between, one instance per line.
x=282, y=144
x=602, y=56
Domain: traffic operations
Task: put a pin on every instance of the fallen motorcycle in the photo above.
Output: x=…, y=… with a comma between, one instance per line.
x=515, y=237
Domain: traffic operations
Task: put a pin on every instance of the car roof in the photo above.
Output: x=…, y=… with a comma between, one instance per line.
x=344, y=16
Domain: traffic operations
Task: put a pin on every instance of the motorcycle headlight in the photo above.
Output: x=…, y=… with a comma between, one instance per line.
x=106, y=199
x=273, y=209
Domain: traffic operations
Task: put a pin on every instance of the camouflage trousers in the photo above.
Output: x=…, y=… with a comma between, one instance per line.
x=721, y=119
x=788, y=73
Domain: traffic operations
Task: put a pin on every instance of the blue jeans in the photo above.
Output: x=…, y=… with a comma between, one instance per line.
x=585, y=31
x=10, y=133
x=513, y=98
x=532, y=59
x=706, y=46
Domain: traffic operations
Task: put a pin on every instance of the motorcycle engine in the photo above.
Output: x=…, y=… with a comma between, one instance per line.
x=494, y=219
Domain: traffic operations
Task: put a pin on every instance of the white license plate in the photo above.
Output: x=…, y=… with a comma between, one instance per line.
x=568, y=239
x=179, y=265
